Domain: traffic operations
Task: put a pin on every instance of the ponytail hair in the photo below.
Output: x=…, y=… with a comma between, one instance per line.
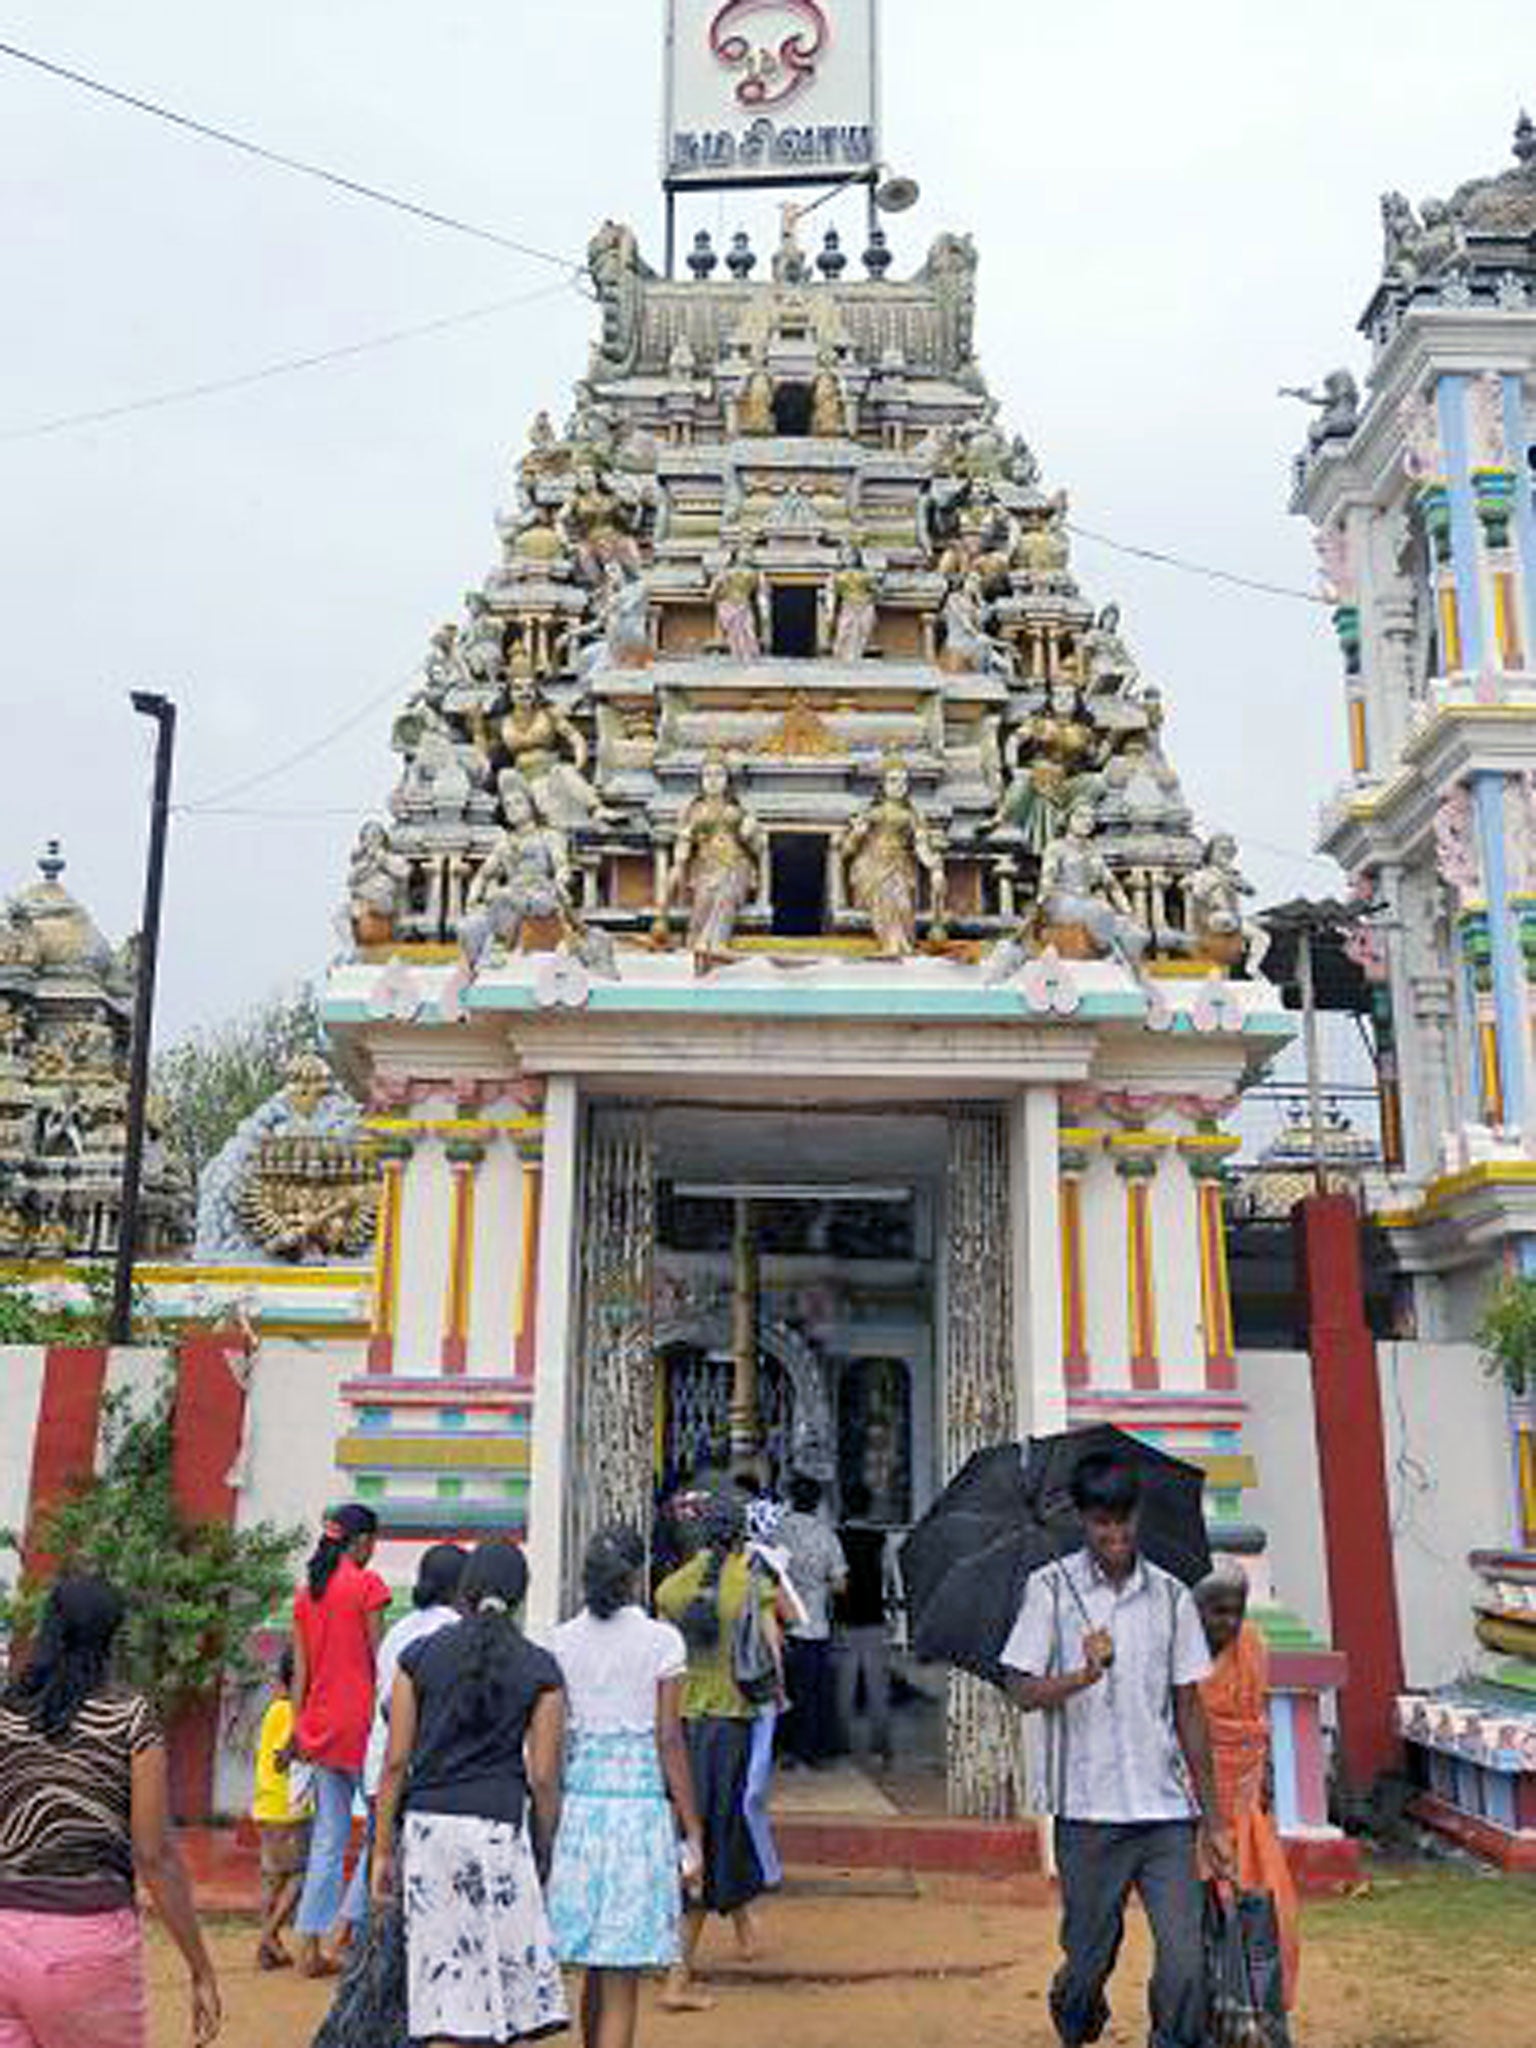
x=615, y=1558
x=72, y=1656
x=493, y=1588
x=340, y=1529
x=722, y=1530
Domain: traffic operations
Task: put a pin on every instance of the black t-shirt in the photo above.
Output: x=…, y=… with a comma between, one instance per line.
x=862, y=1601
x=464, y=1765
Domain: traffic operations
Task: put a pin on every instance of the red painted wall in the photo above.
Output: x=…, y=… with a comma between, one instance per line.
x=64, y=1448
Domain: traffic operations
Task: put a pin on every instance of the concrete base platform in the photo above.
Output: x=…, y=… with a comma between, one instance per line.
x=1509, y=1849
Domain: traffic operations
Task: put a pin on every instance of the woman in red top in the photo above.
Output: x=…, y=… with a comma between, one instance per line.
x=338, y=1617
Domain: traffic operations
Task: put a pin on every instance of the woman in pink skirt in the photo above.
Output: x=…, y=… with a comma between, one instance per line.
x=83, y=1810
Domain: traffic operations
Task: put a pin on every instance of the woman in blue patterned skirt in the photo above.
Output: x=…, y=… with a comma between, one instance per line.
x=629, y=1831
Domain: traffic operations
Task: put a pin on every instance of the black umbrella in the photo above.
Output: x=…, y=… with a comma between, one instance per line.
x=1007, y=1512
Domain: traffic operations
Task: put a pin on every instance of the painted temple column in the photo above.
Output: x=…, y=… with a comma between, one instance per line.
x=394, y=1156
x=1503, y=1015
x=1206, y=1153
x=464, y=1158
x=1137, y=1154
x=554, y=1289
x=1040, y=1392
x=1076, y=1149
x=745, y=1421
x=529, y=1141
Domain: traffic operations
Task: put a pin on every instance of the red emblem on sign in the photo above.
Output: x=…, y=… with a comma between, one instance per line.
x=773, y=77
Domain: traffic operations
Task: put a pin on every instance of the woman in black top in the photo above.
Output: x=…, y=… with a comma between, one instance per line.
x=83, y=1810
x=476, y=1735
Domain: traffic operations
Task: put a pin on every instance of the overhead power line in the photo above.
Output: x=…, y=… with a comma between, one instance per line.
x=355, y=186
x=218, y=798
x=1121, y=547
x=319, y=359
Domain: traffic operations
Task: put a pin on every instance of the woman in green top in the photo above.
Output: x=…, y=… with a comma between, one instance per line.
x=705, y=1598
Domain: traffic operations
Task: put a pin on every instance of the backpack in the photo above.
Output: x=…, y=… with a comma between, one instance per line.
x=754, y=1666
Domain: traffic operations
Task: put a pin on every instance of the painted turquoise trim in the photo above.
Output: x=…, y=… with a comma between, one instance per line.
x=1518, y=436
x=1282, y=1743
x=346, y=1010
x=1451, y=400
x=1509, y=995
x=495, y=1517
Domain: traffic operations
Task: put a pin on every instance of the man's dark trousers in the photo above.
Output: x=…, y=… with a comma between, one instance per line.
x=1099, y=1864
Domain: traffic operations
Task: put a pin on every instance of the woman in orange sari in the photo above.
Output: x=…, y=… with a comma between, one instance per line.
x=1236, y=1709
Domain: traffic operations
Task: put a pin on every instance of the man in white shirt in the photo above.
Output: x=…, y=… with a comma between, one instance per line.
x=1109, y=1650
x=818, y=1570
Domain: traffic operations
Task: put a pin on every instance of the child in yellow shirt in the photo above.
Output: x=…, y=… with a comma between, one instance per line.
x=281, y=1814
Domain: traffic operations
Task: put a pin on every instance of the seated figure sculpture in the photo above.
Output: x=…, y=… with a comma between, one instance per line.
x=543, y=751
x=1084, y=912
x=376, y=884
x=1218, y=929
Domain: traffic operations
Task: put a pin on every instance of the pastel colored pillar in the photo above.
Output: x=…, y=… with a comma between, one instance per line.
x=1451, y=401
x=1205, y=1157
x=552, y=1410
x=1136, y=1162
x=525, y=1314
x=1040, y=1394
x=1506, y=960
x=1076, y=1368
x=394, y=1157
x=464, y=1159
x=1518, y=437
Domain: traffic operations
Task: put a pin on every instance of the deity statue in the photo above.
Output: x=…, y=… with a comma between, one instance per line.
x=789, y=259
x=716, y=863
x=376, y=884
x=92, y=1050
x=1214, y=896
x=620, y=636
x=985, y=537
x=754, y=408
x=545, y=754
x=1044, y=550
x=1044, y=755
x=442, y=670
x=849, y=602
x=968, y=647
x=600, y=522
x=1110, y=664
x=19, y=945
x=13, y=1030
x=884, y=850
x=738, y=592
x=1083, y=909
x=829, y=411
x=523, y=881
x=482, y=645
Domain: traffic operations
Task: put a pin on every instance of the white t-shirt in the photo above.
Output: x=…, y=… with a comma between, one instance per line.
x=612, y=1669
x=410, y=1628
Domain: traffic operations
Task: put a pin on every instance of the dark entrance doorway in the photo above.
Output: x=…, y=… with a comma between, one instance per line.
x=799, y=864
x=792, y=409
x=794, y=620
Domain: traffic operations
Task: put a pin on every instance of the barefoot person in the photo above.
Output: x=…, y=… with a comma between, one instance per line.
x=1236, y=1697
x=704, y=1598
x=83, y=1810
x=1109, y=1650
x=628, y=1826
x=282, y=1821
x=476, y=1727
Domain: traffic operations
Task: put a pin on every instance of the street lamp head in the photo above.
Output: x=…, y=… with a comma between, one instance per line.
x=151, y=703
x=896, y=194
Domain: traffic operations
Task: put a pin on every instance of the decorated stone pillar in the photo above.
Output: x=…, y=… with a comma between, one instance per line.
x=394, y=1155
x=464, y=1156
x=745, y=1421
x=1500, y=958
x=1205, y=1154
x=1077, y=1148
x=984, y=1742
x=1136, y=1155
x=529, y=1140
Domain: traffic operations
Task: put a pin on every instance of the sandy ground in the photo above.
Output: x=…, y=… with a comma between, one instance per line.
x=1423, y=1961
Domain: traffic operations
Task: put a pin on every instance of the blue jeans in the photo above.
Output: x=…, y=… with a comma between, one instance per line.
x=1100, y=1863
x=755, y=1800
x=321, y=1902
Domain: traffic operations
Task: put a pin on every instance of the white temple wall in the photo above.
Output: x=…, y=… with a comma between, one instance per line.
x=295, y=1416
x=1106, y=1311
x=425, y=1218
x=1449, y=1480
x=21, y=1393
x=1176, y=1276
x=135, y=1375
x=498, y=1257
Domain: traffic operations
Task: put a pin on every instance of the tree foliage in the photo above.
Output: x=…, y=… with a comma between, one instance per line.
x=28, y=1316
x=196, y=1592
x=1507, y=1333
x=209, y=1082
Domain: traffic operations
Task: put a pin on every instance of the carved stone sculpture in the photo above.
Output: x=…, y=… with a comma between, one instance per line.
x=545, y=753
x=885, y=850
x=1213, y=895
x=1044, y=756
x=716, y=864
x=377, y=879
x=519, y=897
x=1084, y=912
x=851, y=607
x=829, y=411
x=737, y=595
x=968, y=647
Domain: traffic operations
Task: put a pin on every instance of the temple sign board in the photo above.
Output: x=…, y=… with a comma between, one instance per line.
x=769, y=92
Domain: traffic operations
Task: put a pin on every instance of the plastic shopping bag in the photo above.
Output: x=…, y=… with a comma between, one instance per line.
x=1245, y=2007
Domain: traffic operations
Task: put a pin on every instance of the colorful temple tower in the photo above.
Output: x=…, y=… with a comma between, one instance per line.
x=796, y=1011
x=1421, y=495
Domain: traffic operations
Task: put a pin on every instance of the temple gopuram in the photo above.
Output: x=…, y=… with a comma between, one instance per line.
x=797, y=1010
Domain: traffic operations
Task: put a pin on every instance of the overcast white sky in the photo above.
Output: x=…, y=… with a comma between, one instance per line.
x=1176, y=209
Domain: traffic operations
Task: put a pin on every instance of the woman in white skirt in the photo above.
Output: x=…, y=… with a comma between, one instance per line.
x=629, y=1830
x=476, y=1729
